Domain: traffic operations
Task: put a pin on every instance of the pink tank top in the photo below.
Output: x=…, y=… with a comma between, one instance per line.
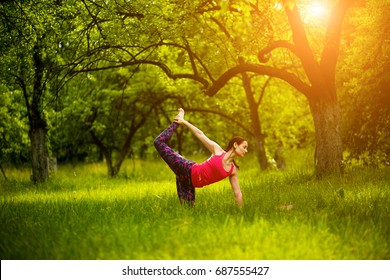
x=209, y=172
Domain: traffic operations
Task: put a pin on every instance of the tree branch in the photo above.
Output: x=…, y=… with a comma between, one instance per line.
x=260, y=70
x=302, y=47
x=162, y=66
x=94, y=18
x=331, y=51
x=222, y=27
x=130, y=15
x=25, y=94
x=214, y=7
x=263, y=92
x=124, y=48
x=265, y=54
x=233, y=120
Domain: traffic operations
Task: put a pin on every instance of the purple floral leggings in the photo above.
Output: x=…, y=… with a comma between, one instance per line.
x=179, y=165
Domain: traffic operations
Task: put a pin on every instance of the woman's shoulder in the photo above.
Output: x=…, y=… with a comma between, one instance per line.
x=218, y=151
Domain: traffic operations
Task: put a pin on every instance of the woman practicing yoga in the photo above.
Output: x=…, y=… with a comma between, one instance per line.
x=190, y=175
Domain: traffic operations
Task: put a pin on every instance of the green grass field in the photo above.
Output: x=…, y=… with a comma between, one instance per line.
x=80, y=214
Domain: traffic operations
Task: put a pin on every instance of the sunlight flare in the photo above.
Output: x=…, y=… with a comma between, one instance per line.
x=314, y=12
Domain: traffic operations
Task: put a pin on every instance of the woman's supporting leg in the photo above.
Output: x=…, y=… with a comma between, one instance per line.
x=179, y=165
x=185, y=189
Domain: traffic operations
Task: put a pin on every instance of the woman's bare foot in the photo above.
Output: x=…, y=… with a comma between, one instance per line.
x=181, y=113
x=180, y=116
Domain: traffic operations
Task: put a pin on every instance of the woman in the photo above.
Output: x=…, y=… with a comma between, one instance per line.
x=190, y=175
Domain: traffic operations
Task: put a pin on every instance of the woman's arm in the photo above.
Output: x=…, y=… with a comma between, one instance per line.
x=212, y=146
x=236, y=187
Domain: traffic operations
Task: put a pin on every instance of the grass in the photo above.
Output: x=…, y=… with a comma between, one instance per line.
x=80, y=214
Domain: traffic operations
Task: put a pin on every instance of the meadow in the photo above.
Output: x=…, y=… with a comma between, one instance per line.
x=287, y=215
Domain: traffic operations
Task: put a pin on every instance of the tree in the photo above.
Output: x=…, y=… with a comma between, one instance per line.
x=21, y=37
x=33, y=38
x=318, y=85
x=41, y=44
x=319, y=88
x=111, y=107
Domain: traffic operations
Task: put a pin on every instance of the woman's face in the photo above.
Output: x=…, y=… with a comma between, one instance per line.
x=241, y=149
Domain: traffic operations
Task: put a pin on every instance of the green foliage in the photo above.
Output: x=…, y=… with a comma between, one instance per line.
x=80, y=214
x=107, y=109
x=286, y=117
x=366, y=100
x=13, y=128
x=31, y=26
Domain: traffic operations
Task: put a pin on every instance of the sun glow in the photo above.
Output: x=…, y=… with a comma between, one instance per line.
x=314, y=12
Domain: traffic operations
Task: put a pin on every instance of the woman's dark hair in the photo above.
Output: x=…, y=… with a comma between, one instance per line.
x=235, y=139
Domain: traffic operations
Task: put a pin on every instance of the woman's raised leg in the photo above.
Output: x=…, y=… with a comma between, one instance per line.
x=179, y=165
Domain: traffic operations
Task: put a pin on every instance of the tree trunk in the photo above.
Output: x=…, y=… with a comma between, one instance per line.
x=106, y=152
x=37, y=123
x=40, y=170
x=328, y=153
x=256, y=125
x=2, y=171
x=111, y=172
x=124, y=151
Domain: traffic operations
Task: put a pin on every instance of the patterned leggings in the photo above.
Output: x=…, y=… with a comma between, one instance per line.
x=179, y=165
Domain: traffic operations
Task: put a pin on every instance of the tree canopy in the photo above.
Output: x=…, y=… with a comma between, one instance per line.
x=103, y=74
